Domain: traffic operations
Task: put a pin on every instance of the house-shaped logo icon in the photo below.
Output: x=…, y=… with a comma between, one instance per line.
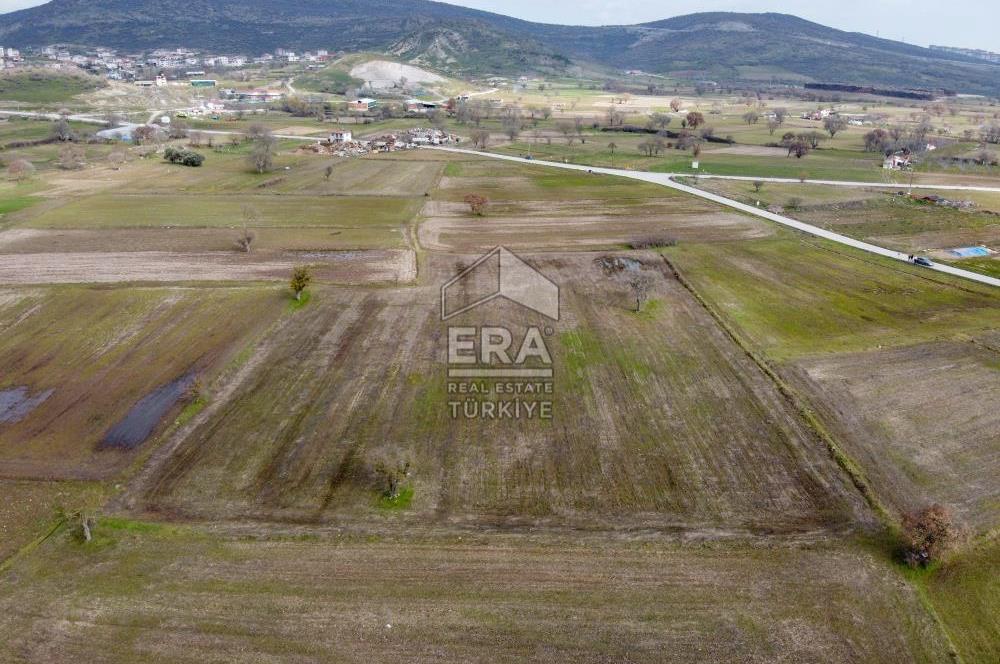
x=500, y=274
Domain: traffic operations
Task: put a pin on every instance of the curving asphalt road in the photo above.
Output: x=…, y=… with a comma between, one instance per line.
x=667, y=180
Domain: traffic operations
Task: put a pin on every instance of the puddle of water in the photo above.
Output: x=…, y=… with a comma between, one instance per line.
x=16, y=403
x=612, y=264
x=137, y=425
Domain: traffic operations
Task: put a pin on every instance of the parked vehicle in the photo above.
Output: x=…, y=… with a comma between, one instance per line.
x=921, y=260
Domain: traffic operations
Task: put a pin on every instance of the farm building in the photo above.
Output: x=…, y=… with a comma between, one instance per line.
x=202, y=83
x=418, y=106
x=897, y=161
x=362, y=105
x=340, y=136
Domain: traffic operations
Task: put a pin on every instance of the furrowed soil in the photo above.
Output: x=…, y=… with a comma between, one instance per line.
x=100, y=351
x=144, y=591
x=919, y=419
x=698, y=436
x=350, y=267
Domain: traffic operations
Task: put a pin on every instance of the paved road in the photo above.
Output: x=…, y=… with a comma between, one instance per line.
x=847, y=183
x=666, y=179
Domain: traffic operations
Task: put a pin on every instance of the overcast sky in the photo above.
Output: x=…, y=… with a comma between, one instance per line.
x=968, y=23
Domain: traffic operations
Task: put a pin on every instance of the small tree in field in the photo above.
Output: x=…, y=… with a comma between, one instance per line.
x=71, y=158
x=261, y=156
x=834, y=124
x=758, y=185
x=694, y=119
x=328, y=171
x=390, y=477
x=145, y=134
x=480, y=138
x=675, y=105
x=246, y=239
x=640, y=286
x=117, y=158
x=927, y=535
x=477, y=203
x=20, y=170
x=301, y=278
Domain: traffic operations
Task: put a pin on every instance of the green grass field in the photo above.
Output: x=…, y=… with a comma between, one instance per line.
x=965, y=591
x=138, y=210
x=794, y=296
x=42, y=87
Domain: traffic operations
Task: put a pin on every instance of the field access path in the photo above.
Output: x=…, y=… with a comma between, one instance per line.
x=667, y=180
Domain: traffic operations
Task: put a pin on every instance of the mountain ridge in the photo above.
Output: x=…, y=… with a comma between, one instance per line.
x=723, y=46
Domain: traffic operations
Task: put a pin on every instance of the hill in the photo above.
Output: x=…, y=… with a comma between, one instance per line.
x=719, y=46
x=45, y=87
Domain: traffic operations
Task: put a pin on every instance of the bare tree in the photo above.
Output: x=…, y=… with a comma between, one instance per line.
x=772, y=125
x=477, y=203
x=20, y=170
x=675, y=105
x=512, y=126
x=118, y=159
x=480, y=138
x=567, y=129
x=246, y=238
x=834, y=124
x=612, y=146
x=758, y=185
x=71, y=158
x=640, y=285
x=261, y=156
x=328, y=171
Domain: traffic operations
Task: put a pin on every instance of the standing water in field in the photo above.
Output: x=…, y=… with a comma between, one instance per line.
x=15, y=403
x=143, y=417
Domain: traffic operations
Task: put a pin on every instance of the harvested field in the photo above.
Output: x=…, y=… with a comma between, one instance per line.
x=270, y=243
x=699, y=437
x=351, y=267
x=29, y=509
x=752, y=151
x=535, y=225
x=99, y=351
x=138, y=211
x=921, y=422
x=150, y=592
x=510, y=181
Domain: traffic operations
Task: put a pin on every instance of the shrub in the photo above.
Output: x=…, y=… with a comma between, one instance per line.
x=653, y=242
x=183, y=157
x=927, y=535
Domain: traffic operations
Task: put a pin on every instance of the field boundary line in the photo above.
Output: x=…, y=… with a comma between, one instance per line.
x=844, y=460
x=846, y=463
x=32, y=545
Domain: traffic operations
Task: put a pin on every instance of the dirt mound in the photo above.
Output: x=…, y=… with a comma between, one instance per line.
x=385, y=74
